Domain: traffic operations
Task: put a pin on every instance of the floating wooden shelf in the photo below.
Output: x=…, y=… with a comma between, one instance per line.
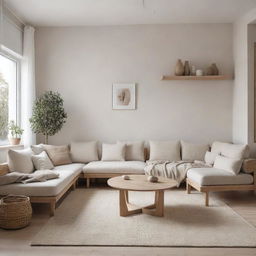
x=220, y=77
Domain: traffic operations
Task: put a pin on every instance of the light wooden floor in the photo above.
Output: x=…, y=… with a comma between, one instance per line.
x=18, y=242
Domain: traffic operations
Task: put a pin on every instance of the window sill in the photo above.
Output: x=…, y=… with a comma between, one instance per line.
x=6, y=147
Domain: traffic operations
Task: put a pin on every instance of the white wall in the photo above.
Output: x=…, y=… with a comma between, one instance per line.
x=243, y=106
x=82, y=63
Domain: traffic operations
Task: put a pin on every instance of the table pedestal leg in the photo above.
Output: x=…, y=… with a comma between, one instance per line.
x=156, y=209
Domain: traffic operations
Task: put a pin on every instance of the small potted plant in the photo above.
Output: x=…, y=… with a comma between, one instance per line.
x=16, y=133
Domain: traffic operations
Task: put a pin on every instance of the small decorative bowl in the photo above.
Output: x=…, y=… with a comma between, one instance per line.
x=126, y=177
x=152, y=179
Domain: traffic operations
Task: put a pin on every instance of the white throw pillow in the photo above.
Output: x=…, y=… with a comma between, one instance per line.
x=164, y=150
x=228, y=164
x=134, y=150
x=42, y=161
x=37, y=149
x=237, y=151
x=209, y=157
x=113, y=152
x=192, y=152
x=20, y=160
x=84, y=152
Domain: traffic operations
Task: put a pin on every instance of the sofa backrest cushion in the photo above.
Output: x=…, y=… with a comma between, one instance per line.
x=237, y=151
x=113, y=152
x=134, y=150
x=191, y=152
x=164, y=150
x=59, y=155
x=20, y=160
x=84, y=152
x=42, y=161
x=228, y=164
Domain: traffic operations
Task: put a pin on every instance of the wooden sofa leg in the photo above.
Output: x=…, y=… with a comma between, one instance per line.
x=207, y=198
x=188, y=188
x=52, y=208
x=87, y=182
x=73, y=187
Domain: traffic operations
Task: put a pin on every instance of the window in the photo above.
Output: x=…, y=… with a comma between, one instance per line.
x=8, y=95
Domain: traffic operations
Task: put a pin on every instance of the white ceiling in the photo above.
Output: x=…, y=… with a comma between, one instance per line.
x=123, y=12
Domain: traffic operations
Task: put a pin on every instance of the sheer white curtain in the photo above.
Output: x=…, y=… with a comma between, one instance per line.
x=28, y=84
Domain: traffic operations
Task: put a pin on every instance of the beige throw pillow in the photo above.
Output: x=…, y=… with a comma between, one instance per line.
x=84, y=152
x=134, y=150
x=42, y=161
x=209, y=157
x=113, y=152
x=20, y=160
x=59, y=155
x=237, y=151
x=164, y=150
x=228, y=164
x=192, y=152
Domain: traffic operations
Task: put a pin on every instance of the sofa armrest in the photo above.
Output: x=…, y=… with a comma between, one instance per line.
x=4, y=169
x=249, y=165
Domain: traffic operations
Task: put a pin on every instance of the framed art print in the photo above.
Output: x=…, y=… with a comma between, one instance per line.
x=124, y=96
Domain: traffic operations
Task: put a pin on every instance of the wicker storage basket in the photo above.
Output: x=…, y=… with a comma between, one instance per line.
x=15, y=212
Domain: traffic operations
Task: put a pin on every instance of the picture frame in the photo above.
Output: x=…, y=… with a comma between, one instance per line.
x=124, y=96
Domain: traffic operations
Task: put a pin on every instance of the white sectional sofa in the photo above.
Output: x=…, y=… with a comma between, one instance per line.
x=85, y=163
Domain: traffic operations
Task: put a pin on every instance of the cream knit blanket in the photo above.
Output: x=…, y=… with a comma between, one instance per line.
x=173, y=170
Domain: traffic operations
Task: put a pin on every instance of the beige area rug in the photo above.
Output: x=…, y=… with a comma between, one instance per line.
x=90, y=217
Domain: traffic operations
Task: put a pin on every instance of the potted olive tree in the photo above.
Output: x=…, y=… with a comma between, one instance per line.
x=16, y=133
x=48, y=115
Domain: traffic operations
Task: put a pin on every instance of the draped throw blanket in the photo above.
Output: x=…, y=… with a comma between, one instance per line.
x=37, y=176
x=173, y=170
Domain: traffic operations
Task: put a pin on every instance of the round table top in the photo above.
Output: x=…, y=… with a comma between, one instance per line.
x=140, y=183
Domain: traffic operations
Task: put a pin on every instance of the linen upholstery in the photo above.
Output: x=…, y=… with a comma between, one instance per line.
x=134, y=150
x=47, y=188
x=237, y=151
x=191, y=151
x=113, y=152
x=135, y=167
x=59, y=155
x=84, y=152
x=37, y=149
x=228, y=164
x=164, y=150
x=42, y=161
x=214, y=176
x=20, y=160
x=209, y=157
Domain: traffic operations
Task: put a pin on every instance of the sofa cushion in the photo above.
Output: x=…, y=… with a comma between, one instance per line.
x=210, y=157
x=20, y=160
x=228, y=164
x=213, y=176
x=113, y=152
x=134, y=150
x=42, y=161
x=237, y=151
x=84, y=152
x=164, y=150
x=135, y=167
x=59, y=155
x=37, y=149
x=191, y=151
x=48, y=188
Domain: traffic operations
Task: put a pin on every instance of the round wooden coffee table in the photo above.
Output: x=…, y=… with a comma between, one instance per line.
x=140, y=183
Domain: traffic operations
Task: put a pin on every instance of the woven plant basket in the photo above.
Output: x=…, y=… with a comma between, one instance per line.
x=15, y=212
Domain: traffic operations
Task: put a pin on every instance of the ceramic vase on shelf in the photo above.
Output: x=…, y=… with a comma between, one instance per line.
x=179, y=68
x=193, y=70
x=186, y=68
x=209, y=71
x=215, y=70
